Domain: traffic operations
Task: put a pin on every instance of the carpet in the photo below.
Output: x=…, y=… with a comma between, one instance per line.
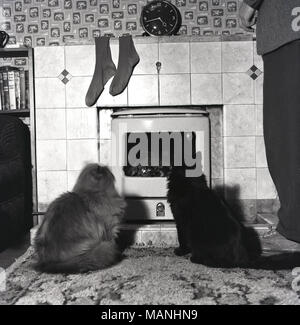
x=152, y=276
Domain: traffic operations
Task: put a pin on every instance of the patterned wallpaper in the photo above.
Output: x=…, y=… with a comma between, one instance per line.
x=55, y=22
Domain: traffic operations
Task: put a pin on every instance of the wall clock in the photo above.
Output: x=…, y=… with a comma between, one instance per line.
x=160, y=18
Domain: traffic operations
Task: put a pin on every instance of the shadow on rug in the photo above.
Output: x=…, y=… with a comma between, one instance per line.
x=153, y=276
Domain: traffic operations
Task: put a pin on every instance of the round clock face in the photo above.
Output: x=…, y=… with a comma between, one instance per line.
x=160, y=18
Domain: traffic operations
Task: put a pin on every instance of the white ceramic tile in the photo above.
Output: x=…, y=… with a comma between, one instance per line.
x=216, y=119
x=239, y=120
x=217, y=157
x=72, y=178
x=237, y=56
x=169, y=238
x=105, y=152
x=81, y=152
x=259, y=90
x=105, y=123
x=76, y=90
x=148, y=54
x=151, y=238
x=174, y=58
x=206, y=89
x=217, y=184
x=82, y=123
x=51, y=155
x=265, y=186
x=206, y=57
x=49, y=93
x=143, y=90
x=239, y=152
x=175, y=89
x=49, y=61
x=50, y=124
x=261, y=160
x=80, y=60
x=107, y=100
x=114, y=50
x=51, y=185
x=259, y=120
x=242, y=183
x=238, y=88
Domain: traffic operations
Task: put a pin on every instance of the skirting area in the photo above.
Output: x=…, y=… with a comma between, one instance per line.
x=157, y=235
x=155, y=276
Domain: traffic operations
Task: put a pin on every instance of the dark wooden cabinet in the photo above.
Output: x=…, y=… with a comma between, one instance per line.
x=14, y=57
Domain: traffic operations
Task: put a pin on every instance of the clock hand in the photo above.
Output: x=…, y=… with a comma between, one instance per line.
x=148, y=21
x=158, y=18
x=164, y=24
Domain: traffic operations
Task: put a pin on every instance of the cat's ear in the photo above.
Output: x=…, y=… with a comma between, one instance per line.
x=111, y=174
x=97, y=172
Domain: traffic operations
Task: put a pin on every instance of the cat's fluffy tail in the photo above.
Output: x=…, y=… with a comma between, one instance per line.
x=100, y=256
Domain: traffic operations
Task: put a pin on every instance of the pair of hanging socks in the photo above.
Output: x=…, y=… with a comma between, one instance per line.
x=105, y=68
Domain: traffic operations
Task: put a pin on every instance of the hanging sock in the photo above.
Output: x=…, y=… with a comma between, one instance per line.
x=104, y=70
x=128, y=59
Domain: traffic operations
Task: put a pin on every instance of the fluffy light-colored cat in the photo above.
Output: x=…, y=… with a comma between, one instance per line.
x=80, y=227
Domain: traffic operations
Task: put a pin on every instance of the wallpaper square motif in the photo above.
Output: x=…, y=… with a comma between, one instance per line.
x=57, y=22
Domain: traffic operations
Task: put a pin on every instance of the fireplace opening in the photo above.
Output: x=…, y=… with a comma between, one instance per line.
x=151, y=154
x=146, y=142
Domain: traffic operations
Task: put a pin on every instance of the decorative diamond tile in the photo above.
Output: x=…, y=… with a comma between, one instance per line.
x=65, y=76
x=254, y=72
x=65, y=73
x=65, y=80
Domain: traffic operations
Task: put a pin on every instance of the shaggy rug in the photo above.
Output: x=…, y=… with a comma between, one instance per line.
x=154, y=276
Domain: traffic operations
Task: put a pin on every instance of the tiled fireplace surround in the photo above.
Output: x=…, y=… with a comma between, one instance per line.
x=216, y=73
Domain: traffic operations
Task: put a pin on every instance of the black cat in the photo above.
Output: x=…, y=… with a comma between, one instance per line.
x=205, y=225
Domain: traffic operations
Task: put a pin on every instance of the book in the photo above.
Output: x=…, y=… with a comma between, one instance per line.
x=12, y=90
x=27, y=92
x=22, y=89
x=1, y=91
x=5, y=90
x=17, y=87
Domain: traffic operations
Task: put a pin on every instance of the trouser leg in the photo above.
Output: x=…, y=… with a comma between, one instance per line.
x=282, y=132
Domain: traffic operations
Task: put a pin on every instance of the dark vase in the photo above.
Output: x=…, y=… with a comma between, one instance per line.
x=4, y=37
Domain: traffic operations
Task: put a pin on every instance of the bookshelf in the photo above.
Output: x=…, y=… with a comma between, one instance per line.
x=11, y=54
x=18, y=113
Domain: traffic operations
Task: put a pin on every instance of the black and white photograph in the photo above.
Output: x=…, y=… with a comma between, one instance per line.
x=149, y=155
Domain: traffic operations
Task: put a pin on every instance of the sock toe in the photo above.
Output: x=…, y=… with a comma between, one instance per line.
x=88, y=102
x=91, y=99
x=114, y=90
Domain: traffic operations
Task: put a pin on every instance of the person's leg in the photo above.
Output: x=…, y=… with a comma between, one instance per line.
x=282, y=132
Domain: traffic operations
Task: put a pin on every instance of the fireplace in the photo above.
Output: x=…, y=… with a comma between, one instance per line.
x=196, y=72
x=145, y=143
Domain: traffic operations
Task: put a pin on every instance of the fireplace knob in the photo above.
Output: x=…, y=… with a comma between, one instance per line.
x=158, y=66
x=160, y=210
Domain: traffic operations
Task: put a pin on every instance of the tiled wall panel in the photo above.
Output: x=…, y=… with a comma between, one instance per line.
x=239, y=164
